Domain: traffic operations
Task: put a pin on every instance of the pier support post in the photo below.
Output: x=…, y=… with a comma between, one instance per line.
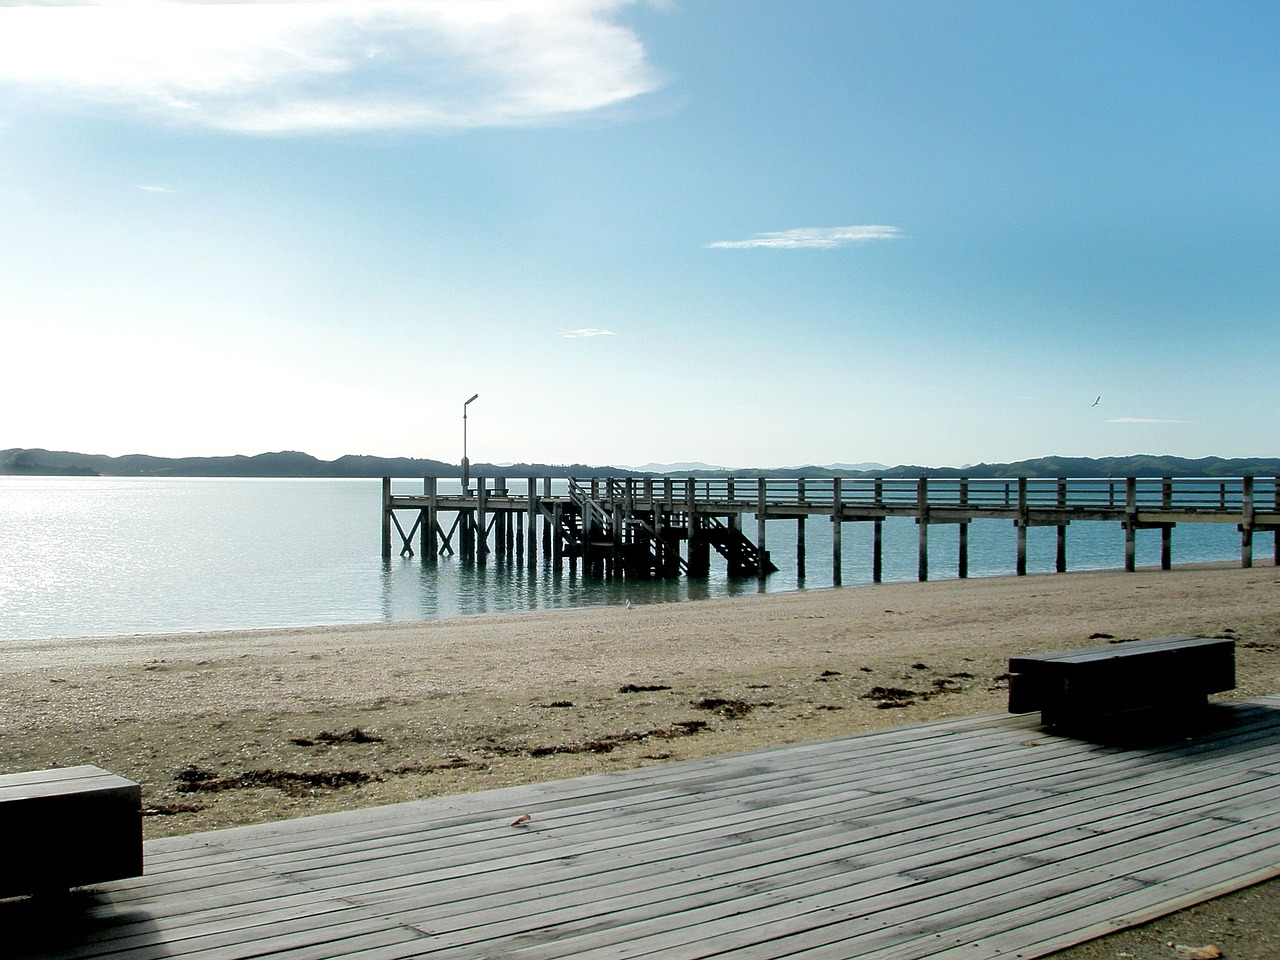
x=800, y=533
x=1131, y=524
x=386, y=518
x=762, y=565
x=533, y=524
x=431, y=526
x=1246, y=525
x=1166, y=531
x=424, y=514
x=618, y=534
x=556, y=552
x=499, y=524
x=1061, y=564
x=482, y=520
x=962, y=560
x=699, y=548
x=1022, y=527
x=549, y=530
x=877, y=539
x=837, y=522
x=922, y=534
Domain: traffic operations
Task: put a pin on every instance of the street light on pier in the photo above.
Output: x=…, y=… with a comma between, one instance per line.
x=466, y=464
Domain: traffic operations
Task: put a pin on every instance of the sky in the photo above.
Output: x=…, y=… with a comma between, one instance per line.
x=741, y=232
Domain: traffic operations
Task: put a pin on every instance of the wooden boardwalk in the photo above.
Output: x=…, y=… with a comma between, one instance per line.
x=977, y=838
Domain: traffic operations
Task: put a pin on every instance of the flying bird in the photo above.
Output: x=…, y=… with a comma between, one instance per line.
x=1095, y=403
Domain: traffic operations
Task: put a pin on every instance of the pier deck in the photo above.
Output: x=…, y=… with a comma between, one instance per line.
x=667, y=527
x=984, y=837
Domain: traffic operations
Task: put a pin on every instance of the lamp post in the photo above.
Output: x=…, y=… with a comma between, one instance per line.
x=466, y=464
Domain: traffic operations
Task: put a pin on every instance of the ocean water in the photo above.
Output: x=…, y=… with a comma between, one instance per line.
x=98, y=556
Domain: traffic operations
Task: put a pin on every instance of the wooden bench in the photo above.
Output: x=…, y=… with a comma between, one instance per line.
x=68, y=827
x=1170, y=675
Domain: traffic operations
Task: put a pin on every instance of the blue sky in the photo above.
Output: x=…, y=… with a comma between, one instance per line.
x=748, y=233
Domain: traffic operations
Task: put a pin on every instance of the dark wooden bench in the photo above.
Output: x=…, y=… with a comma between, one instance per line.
x=1169, y=675
x=68, y=827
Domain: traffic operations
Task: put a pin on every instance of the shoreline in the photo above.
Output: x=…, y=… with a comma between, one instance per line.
x=459, y=703
x=282, y=629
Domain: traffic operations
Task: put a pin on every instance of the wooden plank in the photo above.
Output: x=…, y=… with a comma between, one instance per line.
x=1123, y=646
x=14, y=786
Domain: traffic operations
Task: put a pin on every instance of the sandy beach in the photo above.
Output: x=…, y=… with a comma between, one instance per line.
x=232, y=728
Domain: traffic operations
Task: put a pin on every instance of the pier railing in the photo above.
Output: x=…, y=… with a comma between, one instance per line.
x=1193, y=495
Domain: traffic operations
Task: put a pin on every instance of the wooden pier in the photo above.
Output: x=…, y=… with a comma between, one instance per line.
x=667, y=527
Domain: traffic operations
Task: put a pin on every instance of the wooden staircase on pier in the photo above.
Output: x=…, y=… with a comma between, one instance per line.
x=744, y=557
x=646, y=543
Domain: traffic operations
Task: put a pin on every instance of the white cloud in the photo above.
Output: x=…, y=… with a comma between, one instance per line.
x=587, y=332
x=337, y=65
x=153, y=188
x=1145, y=420
x=822, y=237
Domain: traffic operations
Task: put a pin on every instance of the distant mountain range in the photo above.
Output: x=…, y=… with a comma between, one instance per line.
x=37, y=462
x=685, y=468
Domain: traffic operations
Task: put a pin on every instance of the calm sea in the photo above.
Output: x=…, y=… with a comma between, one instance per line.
x=104, y=557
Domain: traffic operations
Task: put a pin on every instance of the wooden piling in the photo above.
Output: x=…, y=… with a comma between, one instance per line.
x=532, y=524
x=386, y=518
x=837, y=522
x=922, y=530
x=1131, y=525
x=877, y=544
x=800, y=529
x=1022, y=521
x=762, y=500
x=1246, y=524
x=1061, y=561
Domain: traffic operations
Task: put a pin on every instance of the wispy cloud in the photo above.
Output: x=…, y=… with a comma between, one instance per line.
x=587, y=332
x=1146, y=420
x=337, y=65
x=821, y=237
x=154, y=188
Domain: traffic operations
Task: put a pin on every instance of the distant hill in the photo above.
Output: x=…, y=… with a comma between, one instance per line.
x=284, y=464
x=695, y=467
x=869, y=465
x=37, y=462
x=671, y=469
